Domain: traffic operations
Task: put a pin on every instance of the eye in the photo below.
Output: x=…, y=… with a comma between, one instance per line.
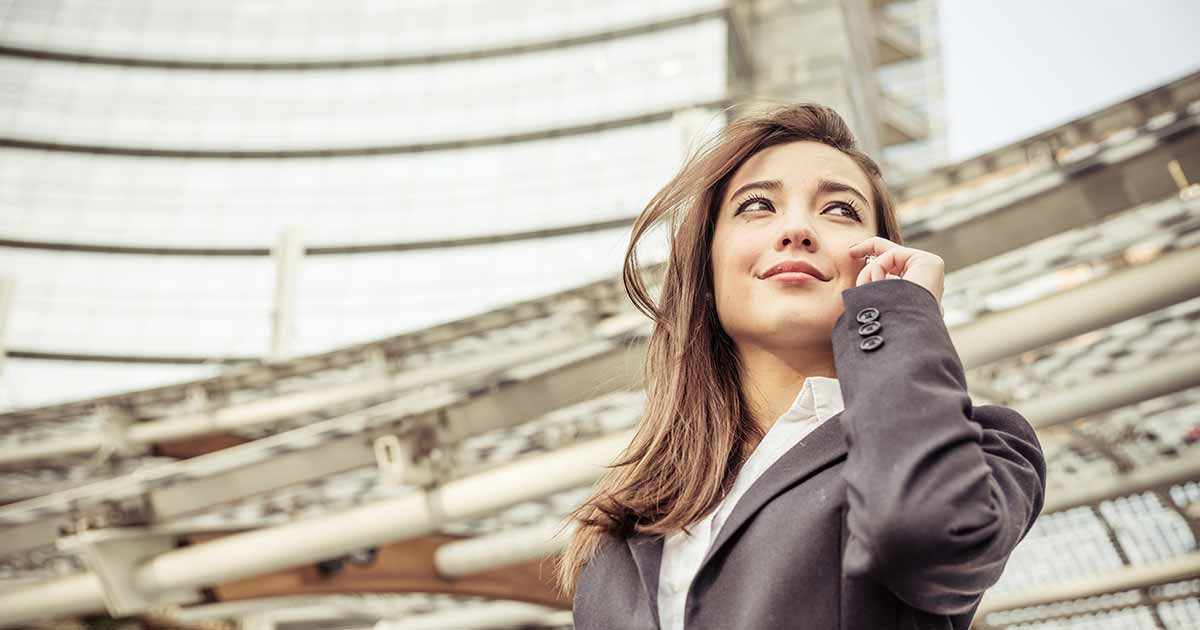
x=749, y=203
x=851, y=210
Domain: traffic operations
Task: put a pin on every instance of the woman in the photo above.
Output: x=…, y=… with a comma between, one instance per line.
x=809, y=456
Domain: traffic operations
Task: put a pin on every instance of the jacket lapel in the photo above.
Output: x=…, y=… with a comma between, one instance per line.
x=816, y=451
x=647, y=555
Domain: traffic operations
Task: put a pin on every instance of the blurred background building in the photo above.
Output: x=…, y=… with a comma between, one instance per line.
x=311, y=317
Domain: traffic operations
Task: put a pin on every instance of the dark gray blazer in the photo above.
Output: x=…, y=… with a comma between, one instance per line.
x=897, y=512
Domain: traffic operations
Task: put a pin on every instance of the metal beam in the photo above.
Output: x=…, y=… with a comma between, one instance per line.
x=508, y=547
x=402, y=567
x=249, y=469
x=274, y=409
x=7, y=282
x=901, y=122
x=78, y=594
x=187, y=497
x=1167, y=375
x=1140, y=479
x=237, y=457
x=893, y=42
x=1135, y=112
x=1181, y=568
x=490, y=616
x=741, y=66
x=587, y=301
x=287, y=256
x=330, y=536
x=316, y=451
x=1070, y=196
x=408, y=516
x=1144, y=288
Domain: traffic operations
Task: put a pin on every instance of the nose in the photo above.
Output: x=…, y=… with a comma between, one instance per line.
x=795, y=228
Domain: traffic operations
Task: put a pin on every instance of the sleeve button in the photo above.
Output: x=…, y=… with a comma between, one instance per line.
x=871, y=343
x=869, y=328
x=868, y=314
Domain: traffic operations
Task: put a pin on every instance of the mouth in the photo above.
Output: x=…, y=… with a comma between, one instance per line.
x=791, y=277
x=794, y=271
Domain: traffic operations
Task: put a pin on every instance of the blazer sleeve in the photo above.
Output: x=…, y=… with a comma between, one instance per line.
x=939, y=492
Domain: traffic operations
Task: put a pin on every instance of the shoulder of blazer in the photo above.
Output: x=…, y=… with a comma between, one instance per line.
x=607, y=543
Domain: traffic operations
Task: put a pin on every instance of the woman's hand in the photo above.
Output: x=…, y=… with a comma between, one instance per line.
x=892, y=260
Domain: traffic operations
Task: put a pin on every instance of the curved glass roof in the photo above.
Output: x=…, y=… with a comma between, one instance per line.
x=140, y=108
x=436, y=127
x=180, y=202
x=228, y=30
x=78, y=302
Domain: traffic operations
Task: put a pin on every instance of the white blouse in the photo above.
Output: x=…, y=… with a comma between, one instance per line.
x=819, y=399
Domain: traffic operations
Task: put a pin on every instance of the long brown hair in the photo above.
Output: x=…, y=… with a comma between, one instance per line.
x=693, y=436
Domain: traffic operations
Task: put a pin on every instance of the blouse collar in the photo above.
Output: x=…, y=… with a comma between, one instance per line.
x=820, y=397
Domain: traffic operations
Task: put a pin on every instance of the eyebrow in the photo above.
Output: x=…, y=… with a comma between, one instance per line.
x=824, y=187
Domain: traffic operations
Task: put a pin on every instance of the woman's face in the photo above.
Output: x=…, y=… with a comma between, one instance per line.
x=800, y=201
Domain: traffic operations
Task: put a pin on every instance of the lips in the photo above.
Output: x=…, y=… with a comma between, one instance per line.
x=792, y=266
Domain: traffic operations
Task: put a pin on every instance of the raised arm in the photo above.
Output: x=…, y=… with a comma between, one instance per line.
x=939, y=491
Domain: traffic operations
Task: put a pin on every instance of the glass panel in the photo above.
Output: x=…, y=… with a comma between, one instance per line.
x=162, y=108
x=239, y=30
x=72, y=197
x=206, y=306
x=38, y=382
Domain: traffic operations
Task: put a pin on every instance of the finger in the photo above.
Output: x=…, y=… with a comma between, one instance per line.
x=898, y=259
x=880, y=265
x=864, y=276
x=872, y=268
x=893, y=260
x=873, y=245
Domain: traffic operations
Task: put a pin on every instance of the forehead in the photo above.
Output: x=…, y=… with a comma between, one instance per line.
x=799, y=165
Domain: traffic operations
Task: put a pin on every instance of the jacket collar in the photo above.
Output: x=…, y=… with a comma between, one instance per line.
x=816, y=451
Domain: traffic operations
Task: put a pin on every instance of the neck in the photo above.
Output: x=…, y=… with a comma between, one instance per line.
x=772, y=378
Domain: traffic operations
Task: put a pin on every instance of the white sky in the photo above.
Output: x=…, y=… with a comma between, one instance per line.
x=1014, y=68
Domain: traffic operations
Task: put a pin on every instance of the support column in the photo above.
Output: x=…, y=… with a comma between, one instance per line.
x=287, y=253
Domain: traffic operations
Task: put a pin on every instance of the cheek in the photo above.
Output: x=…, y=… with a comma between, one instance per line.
x=733, y=266
x=848, y=269
x=845, y=263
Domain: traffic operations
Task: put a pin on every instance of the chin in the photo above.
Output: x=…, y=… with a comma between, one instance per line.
x=799, y=326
